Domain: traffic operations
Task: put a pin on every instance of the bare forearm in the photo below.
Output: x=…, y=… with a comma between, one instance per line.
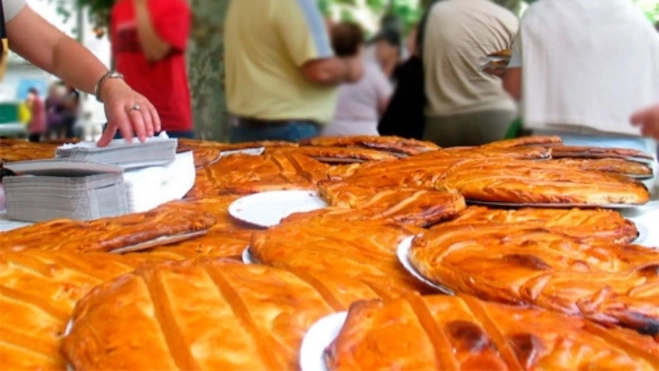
x=76, y=66
x=154, y=48
x=333, y=71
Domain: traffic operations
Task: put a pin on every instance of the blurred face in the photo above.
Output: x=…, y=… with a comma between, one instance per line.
x=385, y=52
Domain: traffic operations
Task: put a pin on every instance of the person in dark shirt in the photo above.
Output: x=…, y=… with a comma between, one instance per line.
x=388, y=46
x=404, y=116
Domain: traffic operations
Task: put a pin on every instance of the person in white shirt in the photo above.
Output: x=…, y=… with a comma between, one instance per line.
x=582, y=68
x=466, y=106
x=360, y=104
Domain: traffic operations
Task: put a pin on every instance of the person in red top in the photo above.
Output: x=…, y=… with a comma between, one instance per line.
x=37, y=124
x=149, y=38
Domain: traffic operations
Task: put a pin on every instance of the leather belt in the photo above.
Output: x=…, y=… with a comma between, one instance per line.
x=246, y=122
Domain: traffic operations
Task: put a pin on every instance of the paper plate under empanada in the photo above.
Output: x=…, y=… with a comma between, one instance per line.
x=267, y=209
x=643, y=233
x=317, y=339
x=248, y=258
x=403, y=253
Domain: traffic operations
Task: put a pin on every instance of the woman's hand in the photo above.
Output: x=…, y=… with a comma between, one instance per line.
x=648, y=121
x=128, y=112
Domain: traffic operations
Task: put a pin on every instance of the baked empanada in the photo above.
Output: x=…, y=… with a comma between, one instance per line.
x=463, y=333
x=418, y=207
x=245, y=174
x=391, y=144
x=539, y=182
x=336, y=154
x=609, y=165
x=525, y=141
x=609, y=283
x=38, y=290
x=108, y=234
x=599, y=152
x=586, y=225
x=203, y=315
x=363, y=250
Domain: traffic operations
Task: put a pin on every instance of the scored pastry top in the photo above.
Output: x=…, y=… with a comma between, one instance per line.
x=584, y=224
x=364, y=250
x=538, y=182
x=614, y=284
x=463, y=333
x=203, y=315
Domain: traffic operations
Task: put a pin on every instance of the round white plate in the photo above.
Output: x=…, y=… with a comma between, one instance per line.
x=643, y=233
x=403, y=253
x=267, y=209
x=318, y=338
x=248, y=258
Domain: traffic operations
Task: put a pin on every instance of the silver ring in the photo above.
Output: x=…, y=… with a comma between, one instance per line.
x=136, y=107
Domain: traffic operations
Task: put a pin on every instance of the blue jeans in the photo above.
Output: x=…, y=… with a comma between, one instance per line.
x=295, y=131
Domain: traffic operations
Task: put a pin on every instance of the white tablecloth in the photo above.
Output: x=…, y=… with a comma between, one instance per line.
x=8, y=225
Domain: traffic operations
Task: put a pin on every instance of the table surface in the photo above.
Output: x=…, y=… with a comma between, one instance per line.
x=646, y=216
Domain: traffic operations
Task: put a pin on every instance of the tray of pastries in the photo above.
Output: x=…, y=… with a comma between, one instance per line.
x=463, y=333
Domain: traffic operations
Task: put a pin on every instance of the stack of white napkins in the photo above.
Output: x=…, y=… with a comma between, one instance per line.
x=132, y=178
x=153, y=152
x=52, y=189
x=150, y=187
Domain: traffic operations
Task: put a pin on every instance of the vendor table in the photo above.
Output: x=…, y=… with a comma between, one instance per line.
x=646, y=216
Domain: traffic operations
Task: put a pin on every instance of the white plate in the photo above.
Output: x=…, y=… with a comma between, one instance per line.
x=643, y=233
x=267, y=209
x=403, y=252
x=318, y=338
x=248, y=258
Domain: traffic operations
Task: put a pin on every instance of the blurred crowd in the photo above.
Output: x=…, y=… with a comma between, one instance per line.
x=55, y=116
x=291, y=74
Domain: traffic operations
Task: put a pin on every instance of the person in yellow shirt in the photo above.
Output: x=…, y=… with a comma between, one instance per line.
x=281, y=72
